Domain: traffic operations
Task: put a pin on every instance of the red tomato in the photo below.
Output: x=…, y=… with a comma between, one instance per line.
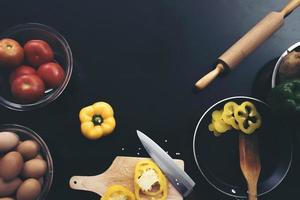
x=52, y=74
x=22, y=70
x=28, y=88
x=38, y=52
x=11, y=53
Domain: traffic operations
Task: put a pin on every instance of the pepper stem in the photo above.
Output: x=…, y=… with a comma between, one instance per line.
x=97, y=120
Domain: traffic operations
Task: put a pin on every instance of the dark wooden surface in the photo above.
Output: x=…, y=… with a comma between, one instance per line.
x=143, y=57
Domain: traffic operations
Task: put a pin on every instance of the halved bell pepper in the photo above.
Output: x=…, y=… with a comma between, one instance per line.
x=118, y=192
x=247, y=117
x=228, y=114
x=97, y=120
x=218, y=126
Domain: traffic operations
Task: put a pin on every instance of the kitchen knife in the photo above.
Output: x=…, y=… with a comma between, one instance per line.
x=248, y=43
x=179, y=179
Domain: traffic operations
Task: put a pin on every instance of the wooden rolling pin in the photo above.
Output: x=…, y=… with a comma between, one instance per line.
x=248, y=43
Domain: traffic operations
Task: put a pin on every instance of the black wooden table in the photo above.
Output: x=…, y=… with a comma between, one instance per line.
x=143, y=57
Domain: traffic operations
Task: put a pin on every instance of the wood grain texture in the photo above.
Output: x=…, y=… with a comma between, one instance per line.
x=121, y=172
x=292, y=5
x=250, y=162
x=208, y=78
x=252, y=39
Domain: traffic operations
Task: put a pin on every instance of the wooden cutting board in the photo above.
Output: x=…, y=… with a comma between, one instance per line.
x=121, y=172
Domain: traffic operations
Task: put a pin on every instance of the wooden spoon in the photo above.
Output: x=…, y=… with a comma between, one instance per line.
x=250, y=162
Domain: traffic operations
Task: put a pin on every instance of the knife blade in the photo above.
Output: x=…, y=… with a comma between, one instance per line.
x=179, y=179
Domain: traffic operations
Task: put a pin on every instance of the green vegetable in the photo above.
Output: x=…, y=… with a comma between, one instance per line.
x=285, y=98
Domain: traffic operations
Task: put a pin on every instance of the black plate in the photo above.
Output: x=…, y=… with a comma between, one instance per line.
x=218, y=157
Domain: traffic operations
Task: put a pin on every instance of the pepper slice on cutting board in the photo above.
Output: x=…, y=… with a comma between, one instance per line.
x=247, y=117
x=97, y=120
x=149, y=181
x=118, y=192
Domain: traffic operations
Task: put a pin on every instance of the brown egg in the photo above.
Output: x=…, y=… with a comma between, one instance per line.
x=11, y=165
x=39, y=156
x=28, y=149
x=8, y=188
x=34, y=168
x=29, y=190
x=8, y=141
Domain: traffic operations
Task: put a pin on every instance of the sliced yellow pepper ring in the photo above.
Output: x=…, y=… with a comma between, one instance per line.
x=247, y=117
x=97, y=120
x=218, y=126
x=228, y=114
x=161, y=192
x=118, y=192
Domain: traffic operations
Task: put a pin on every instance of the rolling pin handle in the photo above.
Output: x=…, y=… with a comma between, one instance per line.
x=290, y=7
x=221, y=68
x=226, y=68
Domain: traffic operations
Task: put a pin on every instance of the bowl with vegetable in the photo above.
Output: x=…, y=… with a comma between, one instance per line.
x=26, y=167
x=36, y=64
x=287, y=66
x=284, y=98
x=217, y=146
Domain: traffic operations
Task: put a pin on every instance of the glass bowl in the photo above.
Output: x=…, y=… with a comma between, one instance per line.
x=25, y=133
x=62, y=54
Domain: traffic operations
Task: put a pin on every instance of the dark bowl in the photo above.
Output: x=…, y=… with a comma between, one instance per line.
x=218, y=157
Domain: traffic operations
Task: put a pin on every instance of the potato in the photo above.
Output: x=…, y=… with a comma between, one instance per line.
x=290, y=66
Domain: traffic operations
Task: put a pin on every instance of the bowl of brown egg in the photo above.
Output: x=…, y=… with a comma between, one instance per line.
x=26, y=167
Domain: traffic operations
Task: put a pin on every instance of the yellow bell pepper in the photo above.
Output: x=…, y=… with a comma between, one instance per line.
x=247, y=117
x=218, y=126
x=228, y=114
x=118, y=192
x=242, y=117
x=97, y=120
x=148, y=176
